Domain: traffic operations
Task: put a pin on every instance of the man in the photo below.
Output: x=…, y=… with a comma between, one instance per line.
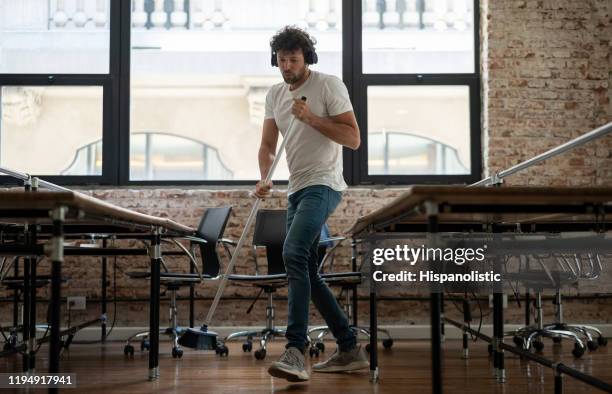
x=323, y=124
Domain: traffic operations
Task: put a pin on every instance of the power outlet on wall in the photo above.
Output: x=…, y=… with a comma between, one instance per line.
x=77, y=303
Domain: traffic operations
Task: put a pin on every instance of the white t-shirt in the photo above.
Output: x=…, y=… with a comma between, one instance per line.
x=313, y=158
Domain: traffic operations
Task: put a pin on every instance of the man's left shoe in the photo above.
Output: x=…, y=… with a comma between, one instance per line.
x=344, y=361
x=290, y=366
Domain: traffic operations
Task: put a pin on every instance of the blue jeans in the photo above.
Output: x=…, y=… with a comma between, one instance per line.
x=308, y=209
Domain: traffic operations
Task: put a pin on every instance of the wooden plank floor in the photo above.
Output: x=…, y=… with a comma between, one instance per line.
x=405, y=369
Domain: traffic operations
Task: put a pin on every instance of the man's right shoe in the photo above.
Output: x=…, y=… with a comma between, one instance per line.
x=344, y=361
x=290, y=366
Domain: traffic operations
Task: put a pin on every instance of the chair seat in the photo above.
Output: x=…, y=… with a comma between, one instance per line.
x=276, y=280
x=342, y=278
x=174, y=278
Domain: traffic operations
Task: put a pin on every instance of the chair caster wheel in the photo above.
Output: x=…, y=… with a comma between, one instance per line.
x=490, y=349
x=314, y=352
x=320, y=346
x=222, y=351
x=592, y=345
x=145, y=345
x=602, y=341
x=177, y=353
x=247, y=346
x=128, y=350
x=368, y=348
x=538, y=345
x=260, y=354
x=388, y=343
x=578, y=351
x=556, y=340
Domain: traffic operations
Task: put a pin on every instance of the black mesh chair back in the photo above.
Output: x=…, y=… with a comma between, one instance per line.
x=270, y=232
x=211, y=229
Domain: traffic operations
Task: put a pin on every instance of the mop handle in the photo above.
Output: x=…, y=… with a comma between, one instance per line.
x=247, y=225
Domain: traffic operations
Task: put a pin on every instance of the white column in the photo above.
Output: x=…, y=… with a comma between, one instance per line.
x=440, y=14
x=390, y=16
x=218, y=18
x=332, y=15
x=411, y=15
x=311, y=15
x=370, y=16
x=197, y=14
x=139, y=15
x=60, y=18
x=80, y=18
x=100, y=17
x=178, y=17
x=158, y=16
x=460, y=13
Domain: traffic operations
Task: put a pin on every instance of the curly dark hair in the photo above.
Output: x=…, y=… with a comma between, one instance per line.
x=291, y=38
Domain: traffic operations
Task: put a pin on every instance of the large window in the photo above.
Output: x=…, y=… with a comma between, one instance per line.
x=173, y=91
x=202, y=72
x=416, y=85
x=58, y=65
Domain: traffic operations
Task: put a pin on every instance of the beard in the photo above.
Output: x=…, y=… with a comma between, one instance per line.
x=292, y=78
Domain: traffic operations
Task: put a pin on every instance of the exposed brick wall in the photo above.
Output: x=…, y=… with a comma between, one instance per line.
x=547, y=76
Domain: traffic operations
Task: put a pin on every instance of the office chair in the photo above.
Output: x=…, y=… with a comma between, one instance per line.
x=594, y=267
x=269, y=233
x=15, y=283
x=207, y=239
x=568, y=272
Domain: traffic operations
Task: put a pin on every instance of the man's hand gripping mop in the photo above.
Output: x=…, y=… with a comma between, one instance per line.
x=203, y=339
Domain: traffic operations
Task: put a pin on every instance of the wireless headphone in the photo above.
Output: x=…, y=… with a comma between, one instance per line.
x=310, y=55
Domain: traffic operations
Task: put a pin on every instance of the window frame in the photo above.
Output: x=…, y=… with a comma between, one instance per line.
x=358, y=160
x=116, y=107
x=109, y=154
x=110, y=168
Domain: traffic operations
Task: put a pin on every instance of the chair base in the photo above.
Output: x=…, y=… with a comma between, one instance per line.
x=317, y=345
x=173, y=333
x=264, y=336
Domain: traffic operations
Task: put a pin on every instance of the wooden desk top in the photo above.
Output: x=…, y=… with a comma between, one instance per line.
x=81, y=208
x=486, y=205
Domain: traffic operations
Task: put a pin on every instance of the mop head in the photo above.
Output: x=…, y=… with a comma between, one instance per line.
x=199, y=339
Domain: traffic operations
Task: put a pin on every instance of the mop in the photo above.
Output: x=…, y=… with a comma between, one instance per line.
x=203, y=339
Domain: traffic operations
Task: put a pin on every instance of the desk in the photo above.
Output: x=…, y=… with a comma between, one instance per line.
x=432, y=209
x=52, y=217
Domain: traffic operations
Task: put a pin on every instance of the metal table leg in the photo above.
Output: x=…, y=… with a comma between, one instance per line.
x=374, y=373
x=435, y=305
x=104, y=285
x=57, y=258
x=32, y=320
x=26, y=312
x=154, y=306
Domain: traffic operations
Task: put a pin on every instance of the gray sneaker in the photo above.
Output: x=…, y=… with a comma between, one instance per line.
x=344, y=361
x=290, y=366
